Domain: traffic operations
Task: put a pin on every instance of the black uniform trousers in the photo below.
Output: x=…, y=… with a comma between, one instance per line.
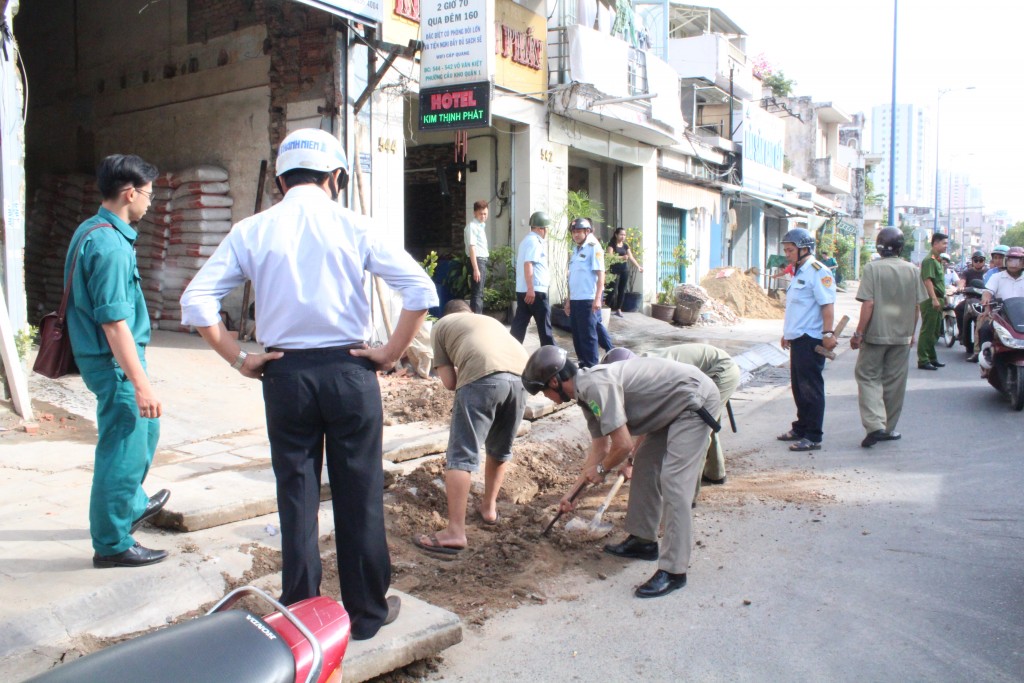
x=541, y=314
x=321, y=398
x=808, y=384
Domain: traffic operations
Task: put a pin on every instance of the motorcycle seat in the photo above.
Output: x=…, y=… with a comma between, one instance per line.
x=227, y=647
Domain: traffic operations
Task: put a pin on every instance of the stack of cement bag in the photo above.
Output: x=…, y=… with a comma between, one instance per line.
x=151, y=247
x=59, y=206
x=197, y=219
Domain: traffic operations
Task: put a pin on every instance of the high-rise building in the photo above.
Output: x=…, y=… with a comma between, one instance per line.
x=914, y=151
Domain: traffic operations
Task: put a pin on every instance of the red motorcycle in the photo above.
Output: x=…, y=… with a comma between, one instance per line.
x=303, y=642
x=1004, y=359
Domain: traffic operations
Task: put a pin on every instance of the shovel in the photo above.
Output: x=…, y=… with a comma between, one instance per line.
x=577, y=492
x=596, y=528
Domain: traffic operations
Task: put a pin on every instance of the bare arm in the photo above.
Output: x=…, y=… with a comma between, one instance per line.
x=929, y=287
x=449, y=376
x=827, y=320
x=385, y=357
x=122, y=345
x=473, y=263
x=227, y=348
x=866, y=309
x=528, y=276
x=599, y=296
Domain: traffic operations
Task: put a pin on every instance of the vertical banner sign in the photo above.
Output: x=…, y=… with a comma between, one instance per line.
x=458, y=42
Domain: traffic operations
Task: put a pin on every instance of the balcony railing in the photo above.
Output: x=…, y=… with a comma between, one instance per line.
x=831, y=176
x=634, y=77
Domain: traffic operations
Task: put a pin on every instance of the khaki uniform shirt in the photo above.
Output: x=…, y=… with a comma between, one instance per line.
x=477, y=346
x=645, y=394
x=711, y=360
x=896, y=288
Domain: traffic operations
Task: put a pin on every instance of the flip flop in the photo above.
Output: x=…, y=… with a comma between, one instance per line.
x=805, y=445
x=435, y=546
x=489, y=522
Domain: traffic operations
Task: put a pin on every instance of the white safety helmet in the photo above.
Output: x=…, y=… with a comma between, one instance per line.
x=312, y=149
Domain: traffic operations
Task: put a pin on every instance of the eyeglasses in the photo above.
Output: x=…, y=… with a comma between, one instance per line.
x=147, y=195
x=978, y=260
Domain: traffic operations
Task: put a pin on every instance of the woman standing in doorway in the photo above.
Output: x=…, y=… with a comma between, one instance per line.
x=617, y=245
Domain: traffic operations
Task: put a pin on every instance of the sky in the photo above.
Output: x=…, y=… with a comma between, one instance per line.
x=842, y=52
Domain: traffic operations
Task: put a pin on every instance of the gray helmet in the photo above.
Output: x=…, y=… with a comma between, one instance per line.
x=581, y=224
x=545, y=363
x=800, y=238
x=617, y=354
x=889, y=242
x=978, y=253
x=539, y=219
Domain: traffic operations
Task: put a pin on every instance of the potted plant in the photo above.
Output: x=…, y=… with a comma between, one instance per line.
x=500, y=291
x=634, y=299
x=578, y=204
x=686, y=312
x=665, y=307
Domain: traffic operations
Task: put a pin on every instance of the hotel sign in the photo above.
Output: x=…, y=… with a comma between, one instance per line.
x=456, y=107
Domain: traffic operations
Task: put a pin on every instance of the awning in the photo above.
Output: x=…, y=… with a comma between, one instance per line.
x=793, y=207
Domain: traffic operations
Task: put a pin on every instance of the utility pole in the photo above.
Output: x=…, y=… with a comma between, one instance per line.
x=892, y=122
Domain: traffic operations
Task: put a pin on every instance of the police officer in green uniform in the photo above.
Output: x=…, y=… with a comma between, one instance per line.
x=109, y=328
x=810, y=308
x=931, y=310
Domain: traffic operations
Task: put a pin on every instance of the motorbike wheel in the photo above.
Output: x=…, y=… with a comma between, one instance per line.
x=949, y=331
x=1015, y=386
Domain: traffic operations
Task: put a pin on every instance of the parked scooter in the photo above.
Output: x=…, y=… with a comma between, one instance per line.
x=303, y=642
x=948, y=331
x=1003, y=360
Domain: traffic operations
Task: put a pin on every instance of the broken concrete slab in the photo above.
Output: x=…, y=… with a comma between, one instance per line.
x=415, y=440
x=421, y=630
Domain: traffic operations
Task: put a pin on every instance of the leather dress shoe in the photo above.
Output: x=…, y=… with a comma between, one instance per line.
x=136, y=556
x=662, y=583
x=394, y=607
x=880, y=435
x=712, y=482
x=938, y=364
x=973, y=358
x=926, y=366
x=634, y=548
x=156, y=504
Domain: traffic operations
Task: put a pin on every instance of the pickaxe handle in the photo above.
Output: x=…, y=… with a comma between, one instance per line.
x=838, y=331
x=577, y=492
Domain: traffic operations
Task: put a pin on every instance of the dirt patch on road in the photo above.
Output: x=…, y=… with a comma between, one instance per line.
x=798, y=488
x=742, y=294
x=51, y=423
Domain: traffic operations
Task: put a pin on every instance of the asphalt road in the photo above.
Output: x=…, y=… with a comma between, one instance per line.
x=909, y=568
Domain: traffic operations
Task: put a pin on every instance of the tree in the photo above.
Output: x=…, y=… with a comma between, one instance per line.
x=1014, y=237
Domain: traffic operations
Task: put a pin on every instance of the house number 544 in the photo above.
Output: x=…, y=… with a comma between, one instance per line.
x=389, y=145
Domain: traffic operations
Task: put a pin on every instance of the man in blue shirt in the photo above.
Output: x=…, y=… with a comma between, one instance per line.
x=532, y=282
x=810, y=306
x=109, y=328
x=586, y=289
x=997, y=263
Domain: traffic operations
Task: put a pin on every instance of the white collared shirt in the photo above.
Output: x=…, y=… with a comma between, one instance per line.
x=308, y=258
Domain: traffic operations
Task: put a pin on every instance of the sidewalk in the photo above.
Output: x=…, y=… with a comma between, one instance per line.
x=214, y=456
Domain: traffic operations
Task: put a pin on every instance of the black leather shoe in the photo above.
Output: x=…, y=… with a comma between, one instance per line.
x=156, y=504
x=926, y=366
x=662, y=583
x=938, y=364
x=973, y=358
x=712, y=482
x=890, y=436
x=634, y=548
x=872, y=438
x=136, y=556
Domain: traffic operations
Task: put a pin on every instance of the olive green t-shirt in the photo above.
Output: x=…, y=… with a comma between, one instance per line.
x=896, y=289
x=931, y=269
x=477, y=346
x=711, y=360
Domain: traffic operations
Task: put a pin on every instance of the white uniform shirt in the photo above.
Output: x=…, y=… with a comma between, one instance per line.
x=307, y=258
x=1004, y=286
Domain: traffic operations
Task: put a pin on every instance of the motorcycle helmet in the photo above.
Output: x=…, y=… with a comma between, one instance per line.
x=889, y=242
x=539, y=219
x=944, y=257
x=545, y=363
x=312, y=149
x=617, y=354
x=1000, y=249
x=581, y=224
x=800, y=238
x=1015, y=254
x=978, y=254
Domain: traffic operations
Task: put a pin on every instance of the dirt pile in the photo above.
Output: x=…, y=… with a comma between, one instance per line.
x=742, y=294
x=408, y=398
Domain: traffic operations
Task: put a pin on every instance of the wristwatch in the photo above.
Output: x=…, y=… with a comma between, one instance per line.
x=240, y=360
x=601, y=471
x=826, y=335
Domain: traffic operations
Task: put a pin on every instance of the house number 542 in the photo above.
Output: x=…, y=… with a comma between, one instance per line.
x=547, y=155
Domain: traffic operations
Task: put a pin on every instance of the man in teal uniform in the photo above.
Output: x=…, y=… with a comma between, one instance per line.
x=931, y=310
x=109, y=328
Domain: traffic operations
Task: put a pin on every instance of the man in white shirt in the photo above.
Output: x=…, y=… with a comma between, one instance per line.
x=477, y=254
x=307, y=257
x=1006, y=284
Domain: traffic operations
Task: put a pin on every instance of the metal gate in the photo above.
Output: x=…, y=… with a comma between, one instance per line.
x=671, y=233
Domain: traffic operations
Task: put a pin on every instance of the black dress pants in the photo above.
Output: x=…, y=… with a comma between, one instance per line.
x=317, y=399
x=540, y=313
x=808, y=384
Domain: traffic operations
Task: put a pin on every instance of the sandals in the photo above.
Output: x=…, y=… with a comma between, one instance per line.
x=789, y=436
x=805, y=445
x=434, y=546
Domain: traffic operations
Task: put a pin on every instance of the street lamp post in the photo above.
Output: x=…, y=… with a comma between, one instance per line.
x=938, y=111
